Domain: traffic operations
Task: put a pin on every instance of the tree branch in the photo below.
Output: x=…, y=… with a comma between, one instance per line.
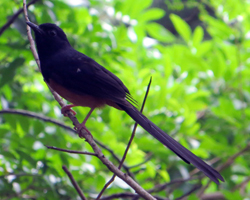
x=242, y=185
x=18, y=175
x=74, y=183
x=161, y=187
x=71, y=151
x=60, y=124
x=128, y=146
x=196, y=187
x=89, y=138
x=126, y=196
x=229, y=161
x=36, y=116
x=13, y=18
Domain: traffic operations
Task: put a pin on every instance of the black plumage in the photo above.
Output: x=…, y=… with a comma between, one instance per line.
x=72, y=73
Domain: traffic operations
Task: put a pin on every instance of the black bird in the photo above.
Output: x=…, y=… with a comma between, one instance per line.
x=83, y=82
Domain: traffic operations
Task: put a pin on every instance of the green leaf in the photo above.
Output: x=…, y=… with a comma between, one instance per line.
x=152, y=14
x=232, y=194
x=19, y=130
x=181, y=27
x=218, y=27
x=204, y=47
x=150, y=170
x=198, y=35
x=164, y=175
x=8, y=73
x=6, y=89
x=159, y=32
x=134, y=8
x=218, y=64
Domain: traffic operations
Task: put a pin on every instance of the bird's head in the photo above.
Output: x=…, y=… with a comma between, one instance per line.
x=49, y=38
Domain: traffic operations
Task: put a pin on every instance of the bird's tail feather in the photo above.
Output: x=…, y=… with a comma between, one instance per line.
x=172, y=144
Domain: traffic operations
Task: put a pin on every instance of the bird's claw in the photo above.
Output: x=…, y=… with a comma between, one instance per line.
x=79, y=128
x=66, y=108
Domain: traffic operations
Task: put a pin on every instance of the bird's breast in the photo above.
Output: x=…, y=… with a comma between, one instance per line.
x=76, y=99
x=81, y=100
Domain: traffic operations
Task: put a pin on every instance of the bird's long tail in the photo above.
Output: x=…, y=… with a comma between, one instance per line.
x=173, y=145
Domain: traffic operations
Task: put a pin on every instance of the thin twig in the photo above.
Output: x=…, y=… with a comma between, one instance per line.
x=242, y=184
x=135, y=126
x=128, y=146
x=216, y=195
x=148, y=158
x=196, y=187
x=127, y=196
x=89, y=138
x=229, y=161
x=60, y=124
x=14, y=17
x=74, y=183
x=115, y=157
x=71, y=151
x=119, y=195
x=36, y=116
x=161, y=187
x=32, y=42
x=19, y=174
x=195, y=171
x=19, y=194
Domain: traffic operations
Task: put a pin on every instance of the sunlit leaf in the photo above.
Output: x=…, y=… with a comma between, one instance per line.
x=182, y=27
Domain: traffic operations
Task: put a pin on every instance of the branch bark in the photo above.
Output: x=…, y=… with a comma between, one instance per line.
x=14, y=17
x=60, y=124
x=229, y=161
x=74, y=183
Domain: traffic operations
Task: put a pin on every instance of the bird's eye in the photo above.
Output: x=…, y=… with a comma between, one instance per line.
x=52, y=33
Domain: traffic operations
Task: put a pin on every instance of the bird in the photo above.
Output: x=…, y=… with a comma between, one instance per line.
x=83, y=82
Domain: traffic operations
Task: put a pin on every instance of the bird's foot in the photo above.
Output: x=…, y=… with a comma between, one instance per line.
x=79, y=128
x=66, y=108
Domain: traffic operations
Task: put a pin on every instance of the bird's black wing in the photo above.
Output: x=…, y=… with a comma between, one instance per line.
x=84, y=76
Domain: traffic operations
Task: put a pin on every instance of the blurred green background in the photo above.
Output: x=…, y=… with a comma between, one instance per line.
x=198, y=55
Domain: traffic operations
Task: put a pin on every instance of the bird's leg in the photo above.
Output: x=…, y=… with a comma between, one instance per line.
x=82, y=125
x=66, y=108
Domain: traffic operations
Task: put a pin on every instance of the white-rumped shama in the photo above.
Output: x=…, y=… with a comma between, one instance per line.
x=83, y=82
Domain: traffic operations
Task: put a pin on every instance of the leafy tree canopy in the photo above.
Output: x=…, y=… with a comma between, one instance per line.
x=200, y=95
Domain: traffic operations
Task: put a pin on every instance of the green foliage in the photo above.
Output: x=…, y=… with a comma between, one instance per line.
x=181, y=26
x=200, y=95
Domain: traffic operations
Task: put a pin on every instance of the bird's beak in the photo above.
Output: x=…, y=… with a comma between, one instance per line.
x=34, y=27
